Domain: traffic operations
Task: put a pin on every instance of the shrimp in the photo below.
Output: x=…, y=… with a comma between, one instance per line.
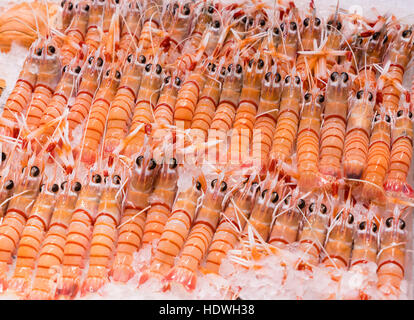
x=358, y=131
x=60, y=99
x=130, y=30
x=161, y=201
x=266, y=117
x=397, y=59
x=133, y=218
x=19, y=99
x=207, y=104
x=402, y=136
x=143, y=112
x=332, y=135
x=151, y=22
x=245, y=118
x=287, y=123
x=104, y=234
x=98, y=114
x=307, y=145
x=79, y=234
x=378, y=162
x=90, y=78
x=225, y=112
x=32, y=237
x=52, y=251
x=18, y=212
x=231, y=225
x=176, y=230
x=286, y=224
x=48, y=77
x=75, y=33
x=314, y=229
x=94, y=31
x=67, y=13
x=391, y=257
x=288, y=47
x=120, y=112
x=200, y=237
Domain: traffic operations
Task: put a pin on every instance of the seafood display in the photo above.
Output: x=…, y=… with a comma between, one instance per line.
x=169, y=144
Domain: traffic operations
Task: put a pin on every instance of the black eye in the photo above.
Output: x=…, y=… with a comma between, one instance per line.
x=385, y=40
x=330, y=23
x=210, y=9
x=377, y=117
x=254, y=187
x=260, y=64
x=39, y=52
x=230, y=66
x=376, y=36
x=186, y=10
x=251, y=21
x=297, y=80
x=223, y=186
x=148, y=67
x=142, y=59
x=65, y=68
x=287, y=199
x=223, y=71
x=198, y=185
x=55, y=188
x=87, y=8
x=339, y=26
x=152, y=164
x=345, y=77
x=173, y=163
x=251, y=63
x=108, y=73
x=362, y=225
x=264, y=193
x=275, y=197
x=306, y=22
x=116, y=180
x=97, y=178
x=77, y=69
x=118, y=75
x=3, y=156
x=278, y=78
x=321, y=99
x=213, y=183
x=129, y=59
x=267, y=76
x=401, y=224
x=400, y=113
x=51, y=49
x=387, y=118
x=282, y=27
x=324, y=209
x=244, y=20
x=410, y=114
x=9, y=185
x=262, y=23
x=158, y=69
x=350, y=219
x=388, y=222
x=370, y=96
x=307, y=96
x=374, y=227
x=359, y=94
x=213, y=68
x=70, y=6
x=334, y=76
x=167, y=80
x=317, y=22
x=287, y=79
x=301, y=204
x=99, y=62
x=62, y=3
x=34, y=171
x=276, y=31
x=77, y=187
x=216, y=24
x=406, y=33
x=90, y=60
x=293, y=26
x=41, y=187
x=138, y=161
x=62, y=185
x=311, y=207
x=239, y=69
